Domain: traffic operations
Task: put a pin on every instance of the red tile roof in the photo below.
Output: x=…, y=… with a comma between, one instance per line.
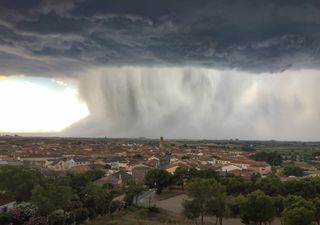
x=80, y=168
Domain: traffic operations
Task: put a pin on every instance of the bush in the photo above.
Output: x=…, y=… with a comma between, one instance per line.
x=154, y=209
x=80, y=215
x=28, y=209
x=40, y=220
x=5, y=218
x=17, y=216
x=114, y=206
x=57, y=217
x=92, y=213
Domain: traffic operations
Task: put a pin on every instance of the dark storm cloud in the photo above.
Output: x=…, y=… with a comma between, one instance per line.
x=252, y=35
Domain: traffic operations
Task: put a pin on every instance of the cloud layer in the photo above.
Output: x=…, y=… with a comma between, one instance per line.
x=200, y=103
x=178, y=68
x=67, y=36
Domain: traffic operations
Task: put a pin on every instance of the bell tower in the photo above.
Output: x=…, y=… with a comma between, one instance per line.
x=161, y=145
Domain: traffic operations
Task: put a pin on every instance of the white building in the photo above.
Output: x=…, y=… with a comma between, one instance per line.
x=228, y=168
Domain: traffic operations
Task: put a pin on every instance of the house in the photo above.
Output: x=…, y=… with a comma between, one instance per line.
x=58, y=165
x=6, y=203
x=261, y=168
x=70, y=163
x=123, y=164
x=80, y=169
x=139, y=172
x=243, y=164
x=222, y=161
x=81, y=162
x=154, y=158
x=172, y=167
x=99, y=162
x=153, y=163
x=230, y=167
x=116, y=179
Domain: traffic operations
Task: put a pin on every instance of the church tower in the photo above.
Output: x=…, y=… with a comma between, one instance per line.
x=161, y=145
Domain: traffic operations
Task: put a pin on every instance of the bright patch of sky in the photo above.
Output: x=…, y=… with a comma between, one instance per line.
x=33, y=104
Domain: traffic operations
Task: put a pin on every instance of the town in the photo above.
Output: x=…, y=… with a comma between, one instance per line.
x=137, y=156
x=127, y=167
x=134, y=159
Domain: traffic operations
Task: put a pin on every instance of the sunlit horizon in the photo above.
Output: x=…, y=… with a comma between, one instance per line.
x=32, y=104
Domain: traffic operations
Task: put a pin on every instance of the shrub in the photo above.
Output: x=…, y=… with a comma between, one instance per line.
x=5, y=218
x=40, y=220
x=57, y=217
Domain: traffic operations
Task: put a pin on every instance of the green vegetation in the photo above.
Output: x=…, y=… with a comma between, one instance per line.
x=207, y=199
x=293, y=171
x=53, y=199
x=298, y=211
x=257, y=208
x=272, y=158
x=158, y=179
x=142, y=216
x=132, y=193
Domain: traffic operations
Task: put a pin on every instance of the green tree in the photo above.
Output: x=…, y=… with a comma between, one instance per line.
x=278, y=204
x=316, y=203
x=5, y=218
x=51, y=197
x=234, y=185
x=96, y=198
x=180, y=176
x=298, y=211
x=28, y=209
x=234, y=205
x=270, y=185
x=257, y=208
x=19, y=181
x=132, y=192
x=297, y=216
x=57, y=217
x=293, y=171
x=205, y=174
x=158, y=179
x=79, y=181
x=273, y=158
x=94, y=174
x=191, y=209
x=206, y=195
x=80, y=215
x=218, y=207
x=38, y=220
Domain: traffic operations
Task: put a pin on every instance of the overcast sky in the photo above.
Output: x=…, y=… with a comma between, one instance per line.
x=178, y=68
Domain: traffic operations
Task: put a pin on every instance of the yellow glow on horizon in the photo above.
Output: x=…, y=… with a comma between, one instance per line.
x=2, y=77
x=60, y=83
x=31, y=106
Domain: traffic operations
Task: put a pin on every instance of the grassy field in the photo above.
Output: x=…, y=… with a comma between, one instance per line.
x=141, y=216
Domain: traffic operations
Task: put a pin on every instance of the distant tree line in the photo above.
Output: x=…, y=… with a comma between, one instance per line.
x=272, y=158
